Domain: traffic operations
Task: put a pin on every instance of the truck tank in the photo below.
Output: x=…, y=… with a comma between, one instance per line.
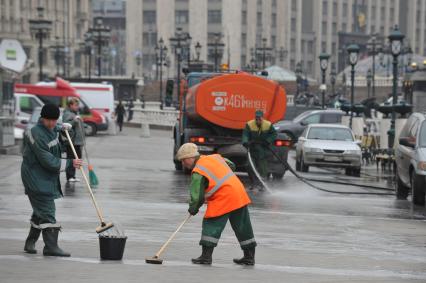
x=231, y=100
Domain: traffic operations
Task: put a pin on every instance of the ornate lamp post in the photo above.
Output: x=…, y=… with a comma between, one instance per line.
x=40, y=29
x=374, y=48
x=353, y=51
x=323, y=64
x=176, y=43
x=369, y=78
x=395, y=39
x=298, y=72
x=264, y=49
x=333, y=75
x=217, y=45
x=101, y=35
x=161, y=55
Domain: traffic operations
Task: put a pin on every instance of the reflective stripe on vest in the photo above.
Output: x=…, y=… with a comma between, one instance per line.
x=219, y=182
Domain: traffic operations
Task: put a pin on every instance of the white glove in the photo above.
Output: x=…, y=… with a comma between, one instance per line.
x=66, y=126
x=76, y=118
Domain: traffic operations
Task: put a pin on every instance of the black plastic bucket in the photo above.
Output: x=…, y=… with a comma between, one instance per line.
x=112, y=248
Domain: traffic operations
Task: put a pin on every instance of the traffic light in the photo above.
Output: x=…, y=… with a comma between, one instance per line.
x=169, y=92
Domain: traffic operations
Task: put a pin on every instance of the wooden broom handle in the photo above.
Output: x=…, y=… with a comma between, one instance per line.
x=85, y=179
x=172, y=236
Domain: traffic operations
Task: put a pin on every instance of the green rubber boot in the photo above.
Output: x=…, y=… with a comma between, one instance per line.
x=50, y=237
x=31, y=240
x=247, y=259
x=205, y=257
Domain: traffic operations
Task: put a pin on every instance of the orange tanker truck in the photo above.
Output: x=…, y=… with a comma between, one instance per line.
x=215, y=109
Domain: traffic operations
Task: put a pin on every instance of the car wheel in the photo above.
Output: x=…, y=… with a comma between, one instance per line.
x=401, y=190
x=90, y=129
x=303, y=166
x=348, y=171
x=418, y=188
x=356, y=172
x=297, y=165
x=277, y=176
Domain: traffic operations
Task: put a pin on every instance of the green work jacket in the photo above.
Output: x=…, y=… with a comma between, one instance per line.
x=259, y=137
x=42, y=162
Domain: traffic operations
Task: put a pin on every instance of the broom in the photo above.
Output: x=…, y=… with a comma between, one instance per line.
x=93, y=179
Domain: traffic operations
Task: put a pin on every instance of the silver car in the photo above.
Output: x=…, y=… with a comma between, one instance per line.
x=323, y=145
x=410, y=159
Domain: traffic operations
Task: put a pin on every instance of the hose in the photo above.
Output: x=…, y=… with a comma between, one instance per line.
x=307, y=181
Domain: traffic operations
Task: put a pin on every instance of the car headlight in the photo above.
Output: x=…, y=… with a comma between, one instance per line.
x=421, y=165
x=353, y=152
x=313, y=149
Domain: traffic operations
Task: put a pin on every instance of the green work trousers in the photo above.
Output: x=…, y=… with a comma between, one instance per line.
x=240, y=223
x=43, y=210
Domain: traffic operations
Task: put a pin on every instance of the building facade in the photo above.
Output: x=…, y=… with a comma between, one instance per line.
x=113, y=13
x=266, y=32
x=61, y=50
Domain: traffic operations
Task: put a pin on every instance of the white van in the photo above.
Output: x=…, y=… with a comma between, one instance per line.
x=98, y=95
x=24, y=107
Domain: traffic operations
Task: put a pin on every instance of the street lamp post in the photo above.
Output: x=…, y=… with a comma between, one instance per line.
x=298, y=79
x=161, y=54
x=323, y=64
x=333, y=75
x=353, y=51
x=58, y=53
x=373, y=51
x=369, y=78
x=176, y=42
x=101, y=35
x=264, y=49
x=395, y=39
x=216, y=44
x=40, y=29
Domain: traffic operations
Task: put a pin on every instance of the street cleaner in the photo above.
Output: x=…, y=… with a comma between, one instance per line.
x=40, y=170
x=77, y=136
x=214, y=182
x=258, y=135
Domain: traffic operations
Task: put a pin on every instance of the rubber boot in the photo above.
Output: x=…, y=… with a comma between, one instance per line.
x=247, y=259
x=31, y=240
x=205, y=257
x=50, y=237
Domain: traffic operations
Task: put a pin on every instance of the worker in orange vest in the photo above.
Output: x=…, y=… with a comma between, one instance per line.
x=213, y=181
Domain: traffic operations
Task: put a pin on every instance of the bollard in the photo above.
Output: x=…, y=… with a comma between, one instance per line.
x=145, y=130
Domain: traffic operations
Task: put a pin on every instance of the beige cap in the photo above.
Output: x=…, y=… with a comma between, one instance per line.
x=187, y=150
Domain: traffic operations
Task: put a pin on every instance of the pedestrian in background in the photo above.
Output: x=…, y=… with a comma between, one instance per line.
x=258, y=135
x=120, y=112
x=214, y=182
x=130, y=106
x=71, y=116
x=40, y=170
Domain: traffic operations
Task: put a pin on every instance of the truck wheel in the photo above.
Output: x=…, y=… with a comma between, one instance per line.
x=277, y=176
x=303, y=167
x=418, y=188
x=401, y=190
x=90, y=129
x=348, y=171
x=356, y=172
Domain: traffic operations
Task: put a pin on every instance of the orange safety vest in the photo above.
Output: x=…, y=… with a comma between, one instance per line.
x=225, y=192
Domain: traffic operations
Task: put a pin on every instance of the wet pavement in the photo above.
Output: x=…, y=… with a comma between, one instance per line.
x=303, y=235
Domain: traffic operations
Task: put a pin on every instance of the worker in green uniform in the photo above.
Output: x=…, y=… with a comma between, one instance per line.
x=258, y=135
x=213, y=182
x=71, y=116
x=40, y=170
